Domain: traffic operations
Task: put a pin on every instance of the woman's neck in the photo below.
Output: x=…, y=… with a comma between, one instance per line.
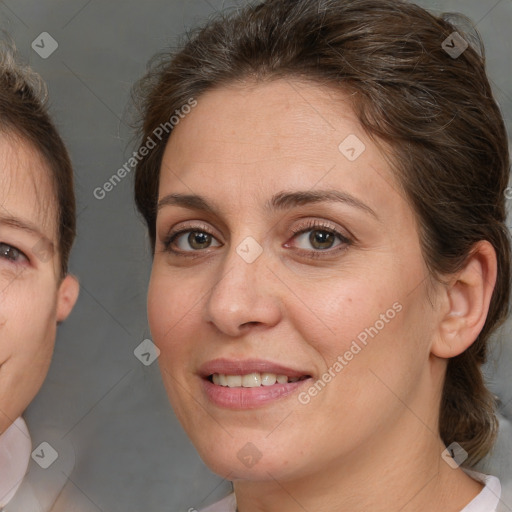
x=398, y=472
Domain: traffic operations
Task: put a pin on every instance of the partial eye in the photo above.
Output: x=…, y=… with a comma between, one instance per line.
x=319, y=239
x=196, y=240
x=10, y=253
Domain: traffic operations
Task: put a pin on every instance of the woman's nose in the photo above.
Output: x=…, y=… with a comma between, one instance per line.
x=246, y=292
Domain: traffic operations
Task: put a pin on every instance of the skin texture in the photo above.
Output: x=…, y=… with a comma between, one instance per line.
x=33, y=297
x=369, y=439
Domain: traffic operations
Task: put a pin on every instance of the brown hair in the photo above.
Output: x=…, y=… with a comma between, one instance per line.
x=434, y=110
x=23, y=113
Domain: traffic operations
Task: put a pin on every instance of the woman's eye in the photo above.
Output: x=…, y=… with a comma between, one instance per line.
x=319, y=238
x=10, y=253
x=195, y=240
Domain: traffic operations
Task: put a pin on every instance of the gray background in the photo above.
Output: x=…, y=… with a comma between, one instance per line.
x=106, y=413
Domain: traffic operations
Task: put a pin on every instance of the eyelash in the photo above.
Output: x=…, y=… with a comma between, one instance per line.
x=309, y=226
x=10, y=248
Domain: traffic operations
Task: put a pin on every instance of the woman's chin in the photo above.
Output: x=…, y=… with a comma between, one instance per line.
x=230, y=467
x=247, y=460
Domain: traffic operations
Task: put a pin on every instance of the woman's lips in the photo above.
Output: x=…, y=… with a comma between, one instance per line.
x=246, y=366
x=244, y=384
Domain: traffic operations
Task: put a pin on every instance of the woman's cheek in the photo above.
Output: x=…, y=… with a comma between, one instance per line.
x=160, y=307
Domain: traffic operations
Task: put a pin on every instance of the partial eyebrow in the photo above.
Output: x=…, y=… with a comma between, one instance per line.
x=281, y=201
x=286, y=200
x=22, y=224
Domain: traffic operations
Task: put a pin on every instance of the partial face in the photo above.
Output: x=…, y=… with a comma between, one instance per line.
x=32, y=297
x=287, y=327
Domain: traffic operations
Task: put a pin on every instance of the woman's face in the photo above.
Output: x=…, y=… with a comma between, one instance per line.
x=238, y=299
x=32, y=297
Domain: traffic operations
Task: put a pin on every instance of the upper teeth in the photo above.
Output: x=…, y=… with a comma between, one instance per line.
x=251, y=380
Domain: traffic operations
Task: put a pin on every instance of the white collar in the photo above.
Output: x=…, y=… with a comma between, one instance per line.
x=489, y=496
x=15, y=449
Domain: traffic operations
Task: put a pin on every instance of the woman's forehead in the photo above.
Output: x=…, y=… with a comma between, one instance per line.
x=263, y=126
x=270, y=137
x=284, y=106
x=26, y=190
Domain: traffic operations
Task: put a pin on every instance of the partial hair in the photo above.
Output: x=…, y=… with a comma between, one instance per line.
x=435, y=111
x=23, y=113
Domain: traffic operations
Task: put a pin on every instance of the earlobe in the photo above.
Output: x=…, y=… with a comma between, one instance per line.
x=67, y=296
x=468, y=297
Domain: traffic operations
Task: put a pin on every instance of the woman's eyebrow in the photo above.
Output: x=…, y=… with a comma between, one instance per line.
x=286, y=200
x=22, y=224
x=281, y=201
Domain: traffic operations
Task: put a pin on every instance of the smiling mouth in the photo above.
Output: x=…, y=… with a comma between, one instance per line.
x=252, y=380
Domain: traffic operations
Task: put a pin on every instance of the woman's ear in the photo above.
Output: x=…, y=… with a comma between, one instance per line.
x=467, y=302
x=67, y=296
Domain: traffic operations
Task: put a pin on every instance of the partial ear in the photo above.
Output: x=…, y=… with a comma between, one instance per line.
x=467, y=302
x=67, y=296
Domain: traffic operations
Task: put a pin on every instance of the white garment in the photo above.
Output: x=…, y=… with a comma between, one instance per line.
x=35, y=487
x=15, y=448
x=487, y=501
x=489, y=498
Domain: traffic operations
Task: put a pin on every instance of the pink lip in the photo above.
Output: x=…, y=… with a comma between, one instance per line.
x=248, y=398
x=244, y=366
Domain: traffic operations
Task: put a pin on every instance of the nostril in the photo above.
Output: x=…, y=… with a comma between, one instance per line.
x=250, y=323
